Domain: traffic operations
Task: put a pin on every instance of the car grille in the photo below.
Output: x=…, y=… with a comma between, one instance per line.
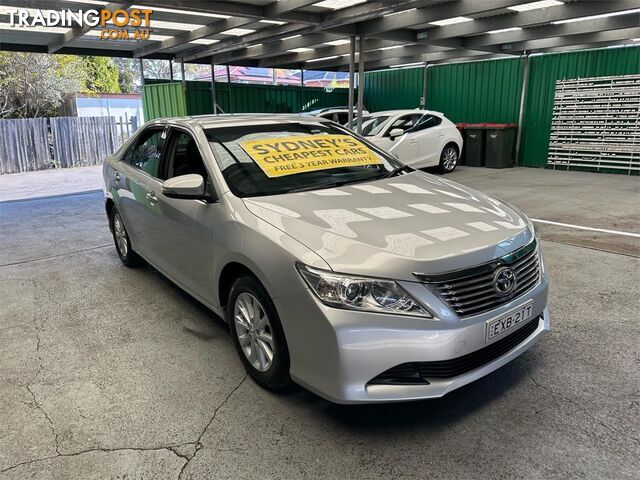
x=471, y=292
x=421, y=372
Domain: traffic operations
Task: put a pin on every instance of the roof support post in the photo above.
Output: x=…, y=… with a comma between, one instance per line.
x=523, y=97
x=301, y=88
x=361, y=48
x=213, y=86
x=423, y=100
x=229, y=106
x=352, y=76
x=182, y=77
x=171, y=69
x=141, y=73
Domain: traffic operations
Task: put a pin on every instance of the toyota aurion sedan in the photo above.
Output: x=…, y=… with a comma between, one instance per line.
x=336, y=266
x=419, y=138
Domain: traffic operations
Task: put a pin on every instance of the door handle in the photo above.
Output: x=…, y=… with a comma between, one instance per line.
x=441, y=134
x=151, y=198
x=116, y=176
x=412, y=142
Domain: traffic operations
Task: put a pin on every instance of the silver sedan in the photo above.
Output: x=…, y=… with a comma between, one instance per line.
x=336, y=266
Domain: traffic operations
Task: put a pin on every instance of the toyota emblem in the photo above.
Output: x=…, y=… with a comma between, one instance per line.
x=504, y=281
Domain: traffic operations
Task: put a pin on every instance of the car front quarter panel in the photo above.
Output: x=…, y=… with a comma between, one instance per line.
x=268, y=252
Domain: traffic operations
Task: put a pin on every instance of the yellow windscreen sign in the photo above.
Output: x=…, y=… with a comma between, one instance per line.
x=289, y=155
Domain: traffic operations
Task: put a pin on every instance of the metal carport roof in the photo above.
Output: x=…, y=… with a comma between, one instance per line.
x=314, y=35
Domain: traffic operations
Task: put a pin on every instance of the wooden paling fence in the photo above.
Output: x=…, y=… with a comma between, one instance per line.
x=40, y=143
x=24, y=145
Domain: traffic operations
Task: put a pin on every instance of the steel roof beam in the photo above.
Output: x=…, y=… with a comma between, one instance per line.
x=276, y=9
x=220, y=25
x=580, y=39
x=272, y=49
x=77, y=32
x=547, y=31
x=589, y=46
x=68, y=50
x=261, y=36
x=295, y=60
x=373, y=56
x=236, y=9
x=429, y=58
x=526, y=19
x=441, y=11
x=340, y=22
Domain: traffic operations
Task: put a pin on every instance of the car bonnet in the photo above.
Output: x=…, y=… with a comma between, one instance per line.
x=398, y=226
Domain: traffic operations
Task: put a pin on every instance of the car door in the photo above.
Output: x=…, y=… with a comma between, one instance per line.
x=428, y=136
x=404, y=147
x=138, y=184
x=185, y=226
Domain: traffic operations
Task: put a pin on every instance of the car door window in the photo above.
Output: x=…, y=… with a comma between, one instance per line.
x=405, y=123
x=147, y=151
x=427, y=121
x=184, y=156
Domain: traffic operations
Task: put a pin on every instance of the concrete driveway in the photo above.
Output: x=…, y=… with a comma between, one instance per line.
x=108, y=372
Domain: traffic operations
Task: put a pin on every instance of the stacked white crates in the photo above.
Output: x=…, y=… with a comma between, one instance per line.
x=596, y=124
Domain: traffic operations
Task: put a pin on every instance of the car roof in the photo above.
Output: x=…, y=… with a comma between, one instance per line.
x=404, y=111
x=233, y=120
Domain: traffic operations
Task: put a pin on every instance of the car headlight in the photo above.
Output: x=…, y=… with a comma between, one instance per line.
x=360, y=293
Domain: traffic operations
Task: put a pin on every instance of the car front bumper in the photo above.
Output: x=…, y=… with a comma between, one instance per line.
x=336, y=353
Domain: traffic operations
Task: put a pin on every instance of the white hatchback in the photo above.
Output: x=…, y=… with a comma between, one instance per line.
x=420, y=138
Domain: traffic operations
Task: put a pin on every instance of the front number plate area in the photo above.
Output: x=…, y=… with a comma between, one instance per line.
x=499, y=326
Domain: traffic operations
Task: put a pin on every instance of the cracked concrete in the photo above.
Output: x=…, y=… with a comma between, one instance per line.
x=107, y=372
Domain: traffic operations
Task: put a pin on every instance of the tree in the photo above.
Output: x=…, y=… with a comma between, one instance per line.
x=35, y=85
x=154, y=68
x=128, y=74
x=101, y=75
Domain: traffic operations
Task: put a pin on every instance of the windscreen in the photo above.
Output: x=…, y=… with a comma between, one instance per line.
x=373, y=125
x=274, y=159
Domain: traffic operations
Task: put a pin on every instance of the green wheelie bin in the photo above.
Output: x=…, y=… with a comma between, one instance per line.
x=474, y=140
x=499, y=145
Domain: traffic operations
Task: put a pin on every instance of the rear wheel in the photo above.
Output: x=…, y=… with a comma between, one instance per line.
x=121, y=239
x=448, y=158
x=257, y=334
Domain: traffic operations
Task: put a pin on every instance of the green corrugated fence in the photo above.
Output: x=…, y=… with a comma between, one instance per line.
x=166, y=99
x=163, y=100
x=393, y=88
x=473, y=92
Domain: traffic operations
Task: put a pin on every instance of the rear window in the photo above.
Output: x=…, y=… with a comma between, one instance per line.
x=274, y=159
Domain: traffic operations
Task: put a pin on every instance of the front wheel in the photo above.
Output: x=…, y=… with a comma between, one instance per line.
x=121, y=239
x=257, y=334
x=448, y=158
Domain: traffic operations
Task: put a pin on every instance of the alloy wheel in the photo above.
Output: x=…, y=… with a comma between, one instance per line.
x=254, y=331
x=449, y=158
x=120, y=234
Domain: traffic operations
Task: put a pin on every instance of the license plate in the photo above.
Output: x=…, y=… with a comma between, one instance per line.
x=498, y=326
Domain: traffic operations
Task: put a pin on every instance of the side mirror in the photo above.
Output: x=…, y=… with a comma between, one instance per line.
x=396, y=132
x=189, y=187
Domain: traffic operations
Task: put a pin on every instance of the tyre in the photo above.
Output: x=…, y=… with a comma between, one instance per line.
x=121, y=239
x=448, y=158
x=257, y=334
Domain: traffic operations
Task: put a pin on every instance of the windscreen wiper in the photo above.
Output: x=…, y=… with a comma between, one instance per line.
x=397, y=171
x=316, y=187
x=331, y=185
